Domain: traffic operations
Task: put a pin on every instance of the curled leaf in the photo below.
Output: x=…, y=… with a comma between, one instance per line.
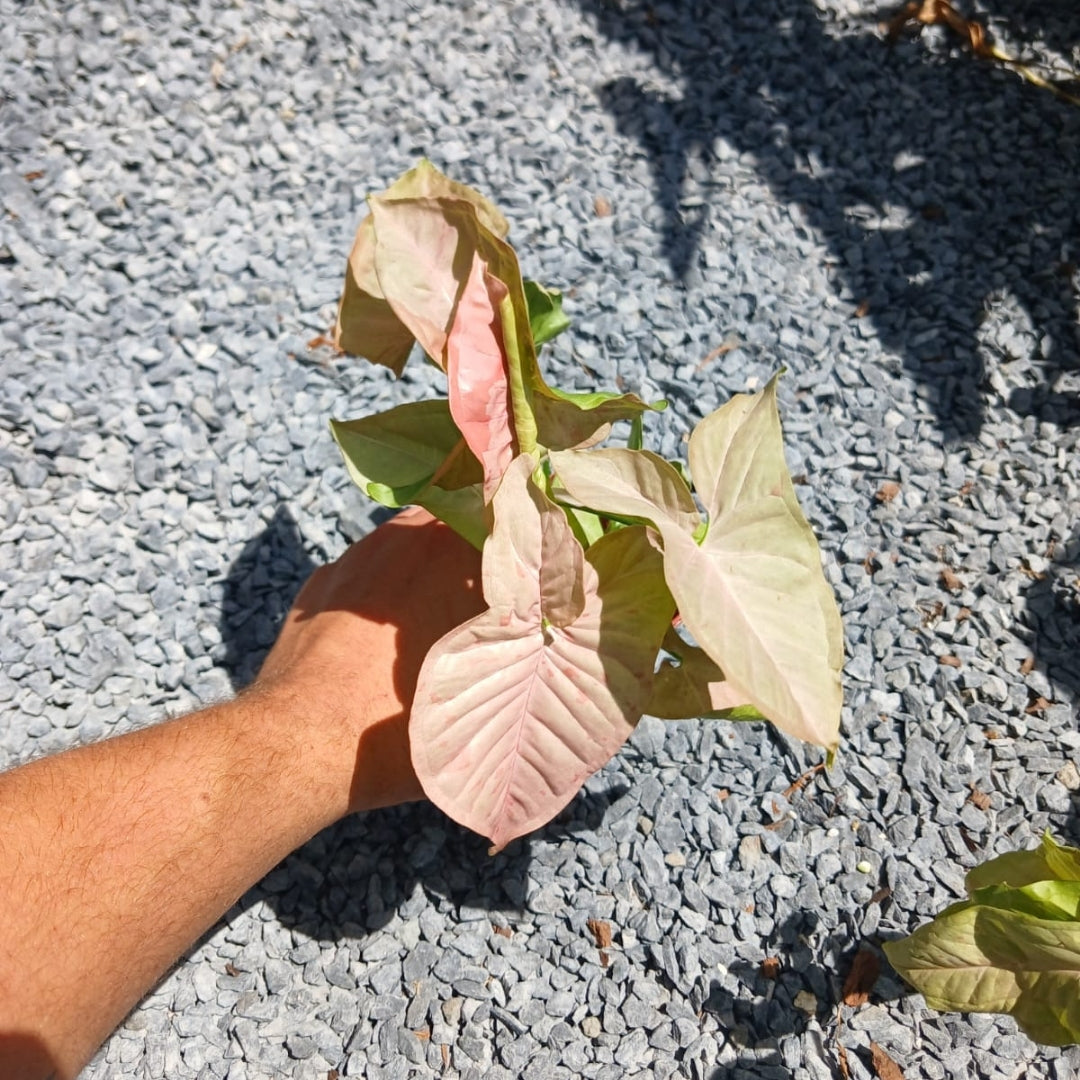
x=477, y=375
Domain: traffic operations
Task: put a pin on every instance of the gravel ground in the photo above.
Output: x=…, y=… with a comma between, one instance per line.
x=899, y=226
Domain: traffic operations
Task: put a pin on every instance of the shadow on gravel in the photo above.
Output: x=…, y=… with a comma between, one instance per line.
x=756, y=1026
x=351, y=879
x=259, y=589
x=1052, y=613
x=930, y=212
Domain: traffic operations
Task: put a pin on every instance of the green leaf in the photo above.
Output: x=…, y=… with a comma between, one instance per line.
x=546, y=318
x=401, y=449
x=1042, y=899
x=628, y=483
x=415, y=454
x=1048, y=862
x=979, y=958
x=512, y=712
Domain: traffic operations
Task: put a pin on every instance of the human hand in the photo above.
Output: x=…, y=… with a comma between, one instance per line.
x=350, y=650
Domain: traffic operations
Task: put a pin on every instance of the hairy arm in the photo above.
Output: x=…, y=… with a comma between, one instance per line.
x=115, y=858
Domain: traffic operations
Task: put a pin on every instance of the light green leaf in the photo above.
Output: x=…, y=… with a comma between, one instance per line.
x=463, y=509
x=546, y=318
x=627, y=483
x=1047, y=862
x=512, y=713
x=1064, y=862
x=737, y=459
x=976, y=958
x=1042, y=899
x=415, y=454
x=401, y=449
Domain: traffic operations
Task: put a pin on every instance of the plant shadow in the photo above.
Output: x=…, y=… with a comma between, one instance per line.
x=756, y=1023
x=906, y=189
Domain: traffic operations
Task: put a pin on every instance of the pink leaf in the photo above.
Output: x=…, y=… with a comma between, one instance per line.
x=512, y=711
x=476, y=375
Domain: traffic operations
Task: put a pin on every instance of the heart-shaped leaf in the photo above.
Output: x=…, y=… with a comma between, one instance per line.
x=752, y=593
x=514, y=711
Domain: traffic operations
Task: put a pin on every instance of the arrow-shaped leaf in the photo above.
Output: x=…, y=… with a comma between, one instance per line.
x=514, y=711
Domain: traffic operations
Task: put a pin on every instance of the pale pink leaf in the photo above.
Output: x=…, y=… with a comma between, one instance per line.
x=512, y=713
x=476, y=375
x=533, y=564
x=752, y=603
x=423, y=256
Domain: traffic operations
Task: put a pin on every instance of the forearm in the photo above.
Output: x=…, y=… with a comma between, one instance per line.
x=114, y=858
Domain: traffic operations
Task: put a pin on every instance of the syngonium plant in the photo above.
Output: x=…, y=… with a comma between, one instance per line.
x=611, y=592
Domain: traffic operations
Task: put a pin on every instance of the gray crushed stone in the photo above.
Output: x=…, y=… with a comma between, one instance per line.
x=897, y=226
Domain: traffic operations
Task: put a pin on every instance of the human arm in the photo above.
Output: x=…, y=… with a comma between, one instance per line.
x=115, y=858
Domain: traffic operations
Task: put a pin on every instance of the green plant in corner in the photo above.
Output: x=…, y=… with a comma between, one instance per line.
x=1012, y=947
x=610, y=592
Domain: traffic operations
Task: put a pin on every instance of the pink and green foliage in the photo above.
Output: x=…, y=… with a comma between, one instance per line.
x=594, y=557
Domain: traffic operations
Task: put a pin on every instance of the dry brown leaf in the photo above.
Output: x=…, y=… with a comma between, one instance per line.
x=604, y=958
x=1027, y=666
x=602, y=206
x=444, y=1050
x=601, y=932
x=887, y=492
x=882, y=894
x=722, y=794
x=422, y=1034
x=502, y=931
x=963, y=614
x=951, y=661
x=231, y=969
x=716, y=353
x=841, y=1060
x=949, y=580
x=861, y=978
x=884, y=1066
x=870, y=563
x=35, y=174
x=863, y=309
x=801, y=782
x=770, y=967
x=979, y=798
x=1039, y=704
